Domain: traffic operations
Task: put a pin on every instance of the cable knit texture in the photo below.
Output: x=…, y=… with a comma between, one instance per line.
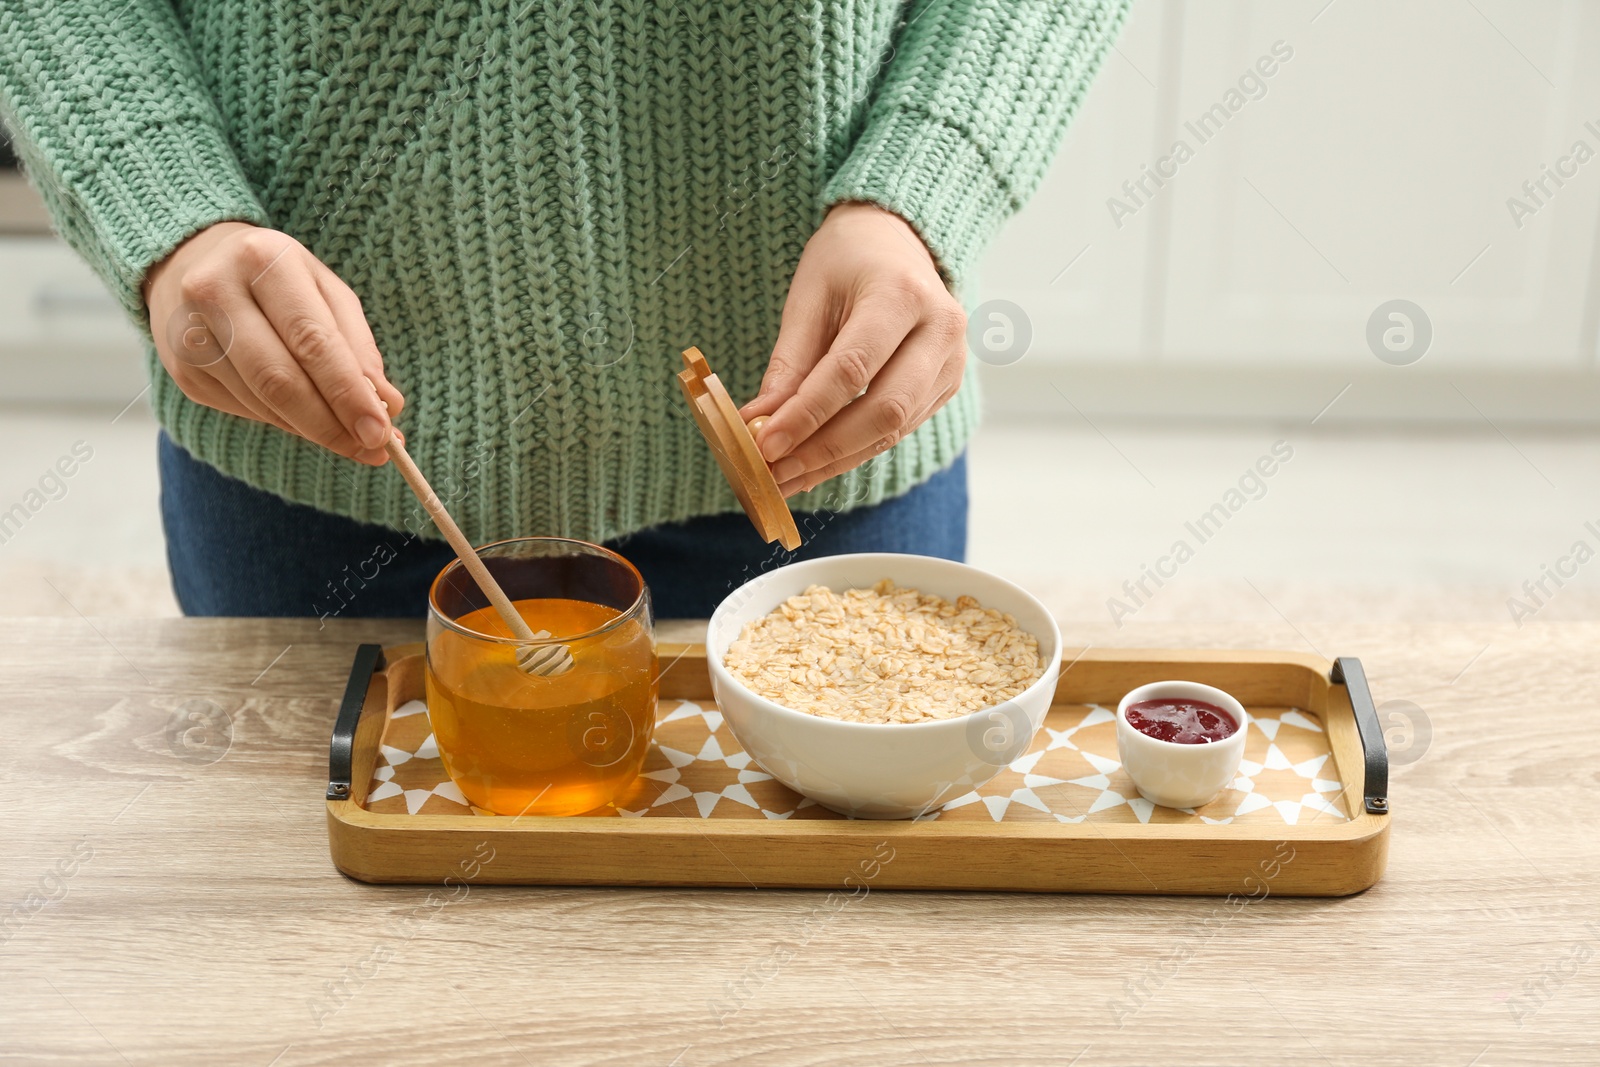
x=541, y=202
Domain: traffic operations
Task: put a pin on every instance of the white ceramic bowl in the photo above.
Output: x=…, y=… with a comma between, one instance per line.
x=1174, y=775
x=881, y=770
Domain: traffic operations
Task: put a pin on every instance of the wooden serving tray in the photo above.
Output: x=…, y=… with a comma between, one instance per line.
x=1307, y=816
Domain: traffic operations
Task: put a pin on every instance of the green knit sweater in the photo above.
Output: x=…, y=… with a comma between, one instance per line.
x=540, y=203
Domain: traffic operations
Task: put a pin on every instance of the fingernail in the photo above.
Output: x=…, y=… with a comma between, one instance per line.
x=787, y=470
x=371, y=432
x=789, y=489
x=776, y=446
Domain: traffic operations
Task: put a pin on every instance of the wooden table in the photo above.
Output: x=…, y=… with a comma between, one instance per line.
x=171, y=899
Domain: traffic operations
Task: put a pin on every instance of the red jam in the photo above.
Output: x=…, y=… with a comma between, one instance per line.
x=1179, y=719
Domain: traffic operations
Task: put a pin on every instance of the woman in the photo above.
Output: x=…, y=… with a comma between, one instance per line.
x=498, y=222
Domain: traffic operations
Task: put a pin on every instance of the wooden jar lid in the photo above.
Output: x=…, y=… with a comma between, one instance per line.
x=736, y=452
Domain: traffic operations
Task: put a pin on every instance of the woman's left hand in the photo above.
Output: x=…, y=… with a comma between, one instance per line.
x=866, y=310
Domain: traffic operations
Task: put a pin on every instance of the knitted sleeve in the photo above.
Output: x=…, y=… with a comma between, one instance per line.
x=111, y=119
x=970, y=107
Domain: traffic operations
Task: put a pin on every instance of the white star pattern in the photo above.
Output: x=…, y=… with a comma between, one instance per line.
x=1071, y=774
x=711, y=752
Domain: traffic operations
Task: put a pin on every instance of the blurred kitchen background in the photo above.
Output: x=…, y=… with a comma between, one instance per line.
x=1155, y=325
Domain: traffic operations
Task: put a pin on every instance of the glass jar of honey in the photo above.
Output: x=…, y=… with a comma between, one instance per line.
x=517, y=743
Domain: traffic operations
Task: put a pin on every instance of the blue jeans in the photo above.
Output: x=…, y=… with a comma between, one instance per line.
x=237, y=550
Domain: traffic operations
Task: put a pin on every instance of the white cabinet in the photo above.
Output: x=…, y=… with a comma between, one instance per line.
x=1374, y=163
x=63, y=339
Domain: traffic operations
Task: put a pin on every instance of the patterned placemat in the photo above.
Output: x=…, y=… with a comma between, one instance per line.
x=695, y=769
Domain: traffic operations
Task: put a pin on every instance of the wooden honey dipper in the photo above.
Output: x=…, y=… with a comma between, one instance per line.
x=542, y=660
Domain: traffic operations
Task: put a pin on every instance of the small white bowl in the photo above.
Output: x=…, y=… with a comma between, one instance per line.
x=1175, y=775
x=881, y=770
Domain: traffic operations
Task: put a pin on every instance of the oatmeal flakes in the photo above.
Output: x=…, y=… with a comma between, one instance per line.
x=885, y=654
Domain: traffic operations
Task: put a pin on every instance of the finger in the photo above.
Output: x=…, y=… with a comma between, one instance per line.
x=869, y=337
x=228, y=391
x=379, y=456
x=352, y=321
x=292, y=301
x=196, y=356
x=276, y=379
x=811, y=479
x=227, y=376
x=803, y=335
x=908, y=389
x=206, y=389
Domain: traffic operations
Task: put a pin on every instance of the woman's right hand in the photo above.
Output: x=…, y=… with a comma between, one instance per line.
x=246, y=320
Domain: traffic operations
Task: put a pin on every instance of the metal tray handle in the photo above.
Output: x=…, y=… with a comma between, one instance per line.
x=1347, y=671
x=341, y=750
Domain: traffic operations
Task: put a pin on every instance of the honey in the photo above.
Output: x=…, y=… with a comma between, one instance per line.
x=517, y=744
